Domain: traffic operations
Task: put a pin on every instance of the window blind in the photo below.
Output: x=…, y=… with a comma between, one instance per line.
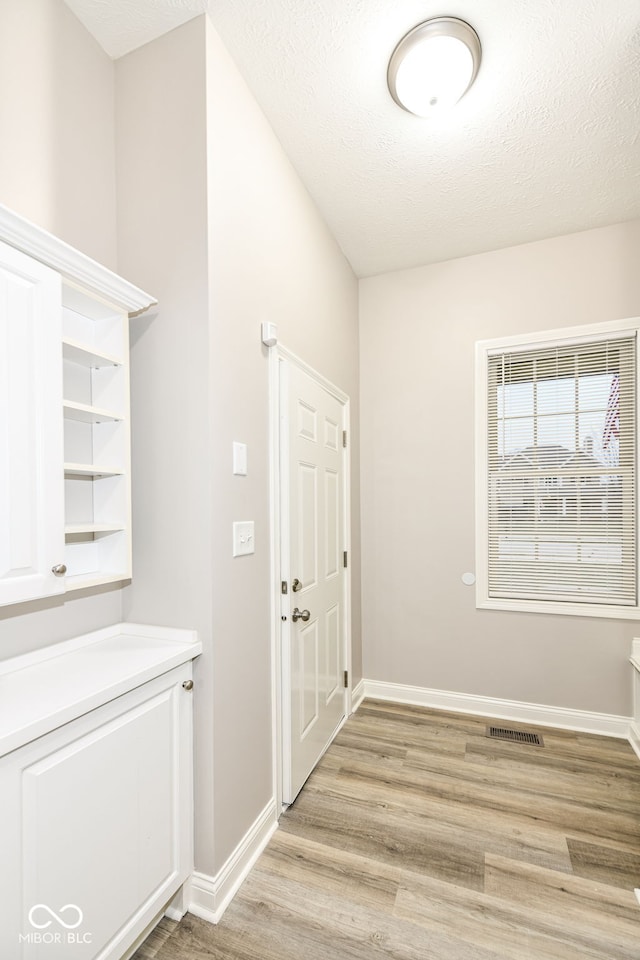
x=561, y=455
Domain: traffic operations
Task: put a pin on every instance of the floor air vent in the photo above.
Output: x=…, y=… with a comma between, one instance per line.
x=516, y=736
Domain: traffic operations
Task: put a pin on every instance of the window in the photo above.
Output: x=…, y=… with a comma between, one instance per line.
x=557, y=472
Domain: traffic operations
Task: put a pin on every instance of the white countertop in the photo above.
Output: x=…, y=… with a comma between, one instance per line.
x=42, y=690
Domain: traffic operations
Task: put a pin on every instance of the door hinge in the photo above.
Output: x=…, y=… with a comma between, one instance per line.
x=283, y=587
x=344, y=438
x=345, y=560
x=346, y=679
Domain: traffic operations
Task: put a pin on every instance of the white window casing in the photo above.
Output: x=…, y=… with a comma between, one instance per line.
x=556, y=471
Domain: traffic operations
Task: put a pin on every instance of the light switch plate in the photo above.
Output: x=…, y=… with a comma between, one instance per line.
x=239, y=459
x=243, y=538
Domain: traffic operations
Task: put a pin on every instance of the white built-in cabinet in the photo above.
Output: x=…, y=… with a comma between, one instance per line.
x=65, y=482
x=96, y=786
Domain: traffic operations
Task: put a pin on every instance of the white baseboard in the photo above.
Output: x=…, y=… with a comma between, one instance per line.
x=180, y=903
x=634, y=737
x=210, y=896
x=357, y=696
x=583, y=721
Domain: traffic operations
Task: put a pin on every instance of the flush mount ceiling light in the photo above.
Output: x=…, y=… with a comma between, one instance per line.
x=434, y=65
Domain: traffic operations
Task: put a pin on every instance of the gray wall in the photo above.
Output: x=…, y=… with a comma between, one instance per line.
x=57, y=123
x=162, y=240
x=271, y=258
x=57, y=168
x=214, y=221
x=418, y=329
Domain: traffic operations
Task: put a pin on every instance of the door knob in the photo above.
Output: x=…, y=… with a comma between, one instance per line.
x=296, y=585
x=59, y=570
x=300, y=615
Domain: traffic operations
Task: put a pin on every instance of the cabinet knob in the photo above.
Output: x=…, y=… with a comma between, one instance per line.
x=60, y=569
x=187, y=685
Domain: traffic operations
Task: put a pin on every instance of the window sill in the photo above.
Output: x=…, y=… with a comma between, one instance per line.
x=600, y=610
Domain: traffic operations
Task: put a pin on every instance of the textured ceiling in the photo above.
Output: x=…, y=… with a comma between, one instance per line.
x=546, y=142
x=121, y=26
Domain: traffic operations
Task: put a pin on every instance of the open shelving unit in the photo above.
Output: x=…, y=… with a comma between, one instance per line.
x=95, y=407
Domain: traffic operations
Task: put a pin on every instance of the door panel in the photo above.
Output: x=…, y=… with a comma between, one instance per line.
x=305, y=521
x=330, y=434
x=333, y=672
x=331, y=522
x=31, y=474
x=312, y=543
x=308, y=687
x=307, y=421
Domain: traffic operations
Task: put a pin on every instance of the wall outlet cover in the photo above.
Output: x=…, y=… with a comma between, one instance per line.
x=239, y=459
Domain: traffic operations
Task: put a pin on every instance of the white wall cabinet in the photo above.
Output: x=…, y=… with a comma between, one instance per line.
x=96, y=828
x=65, y=488
x=31, y=478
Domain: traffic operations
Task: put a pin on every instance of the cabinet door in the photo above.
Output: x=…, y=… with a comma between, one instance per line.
x=96, y=827
x=31, y=443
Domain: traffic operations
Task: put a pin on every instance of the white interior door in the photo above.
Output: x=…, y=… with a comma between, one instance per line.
x=312, y=544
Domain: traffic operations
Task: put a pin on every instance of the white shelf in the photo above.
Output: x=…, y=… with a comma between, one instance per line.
x=92, y=526
x=81, y=581
x=87, y=356
x=90, y=470
x=88, y=414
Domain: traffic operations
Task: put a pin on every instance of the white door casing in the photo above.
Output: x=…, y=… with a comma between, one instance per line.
x=313, y=537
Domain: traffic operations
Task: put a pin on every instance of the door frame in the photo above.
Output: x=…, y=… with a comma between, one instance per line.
x=279, y=528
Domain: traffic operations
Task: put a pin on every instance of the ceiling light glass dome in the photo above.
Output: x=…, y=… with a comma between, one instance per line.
x=434, y=65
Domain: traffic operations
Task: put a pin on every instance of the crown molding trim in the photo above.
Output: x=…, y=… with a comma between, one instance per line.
x=70, y=263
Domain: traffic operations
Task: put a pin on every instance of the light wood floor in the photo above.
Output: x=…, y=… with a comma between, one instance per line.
x=417, y=838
